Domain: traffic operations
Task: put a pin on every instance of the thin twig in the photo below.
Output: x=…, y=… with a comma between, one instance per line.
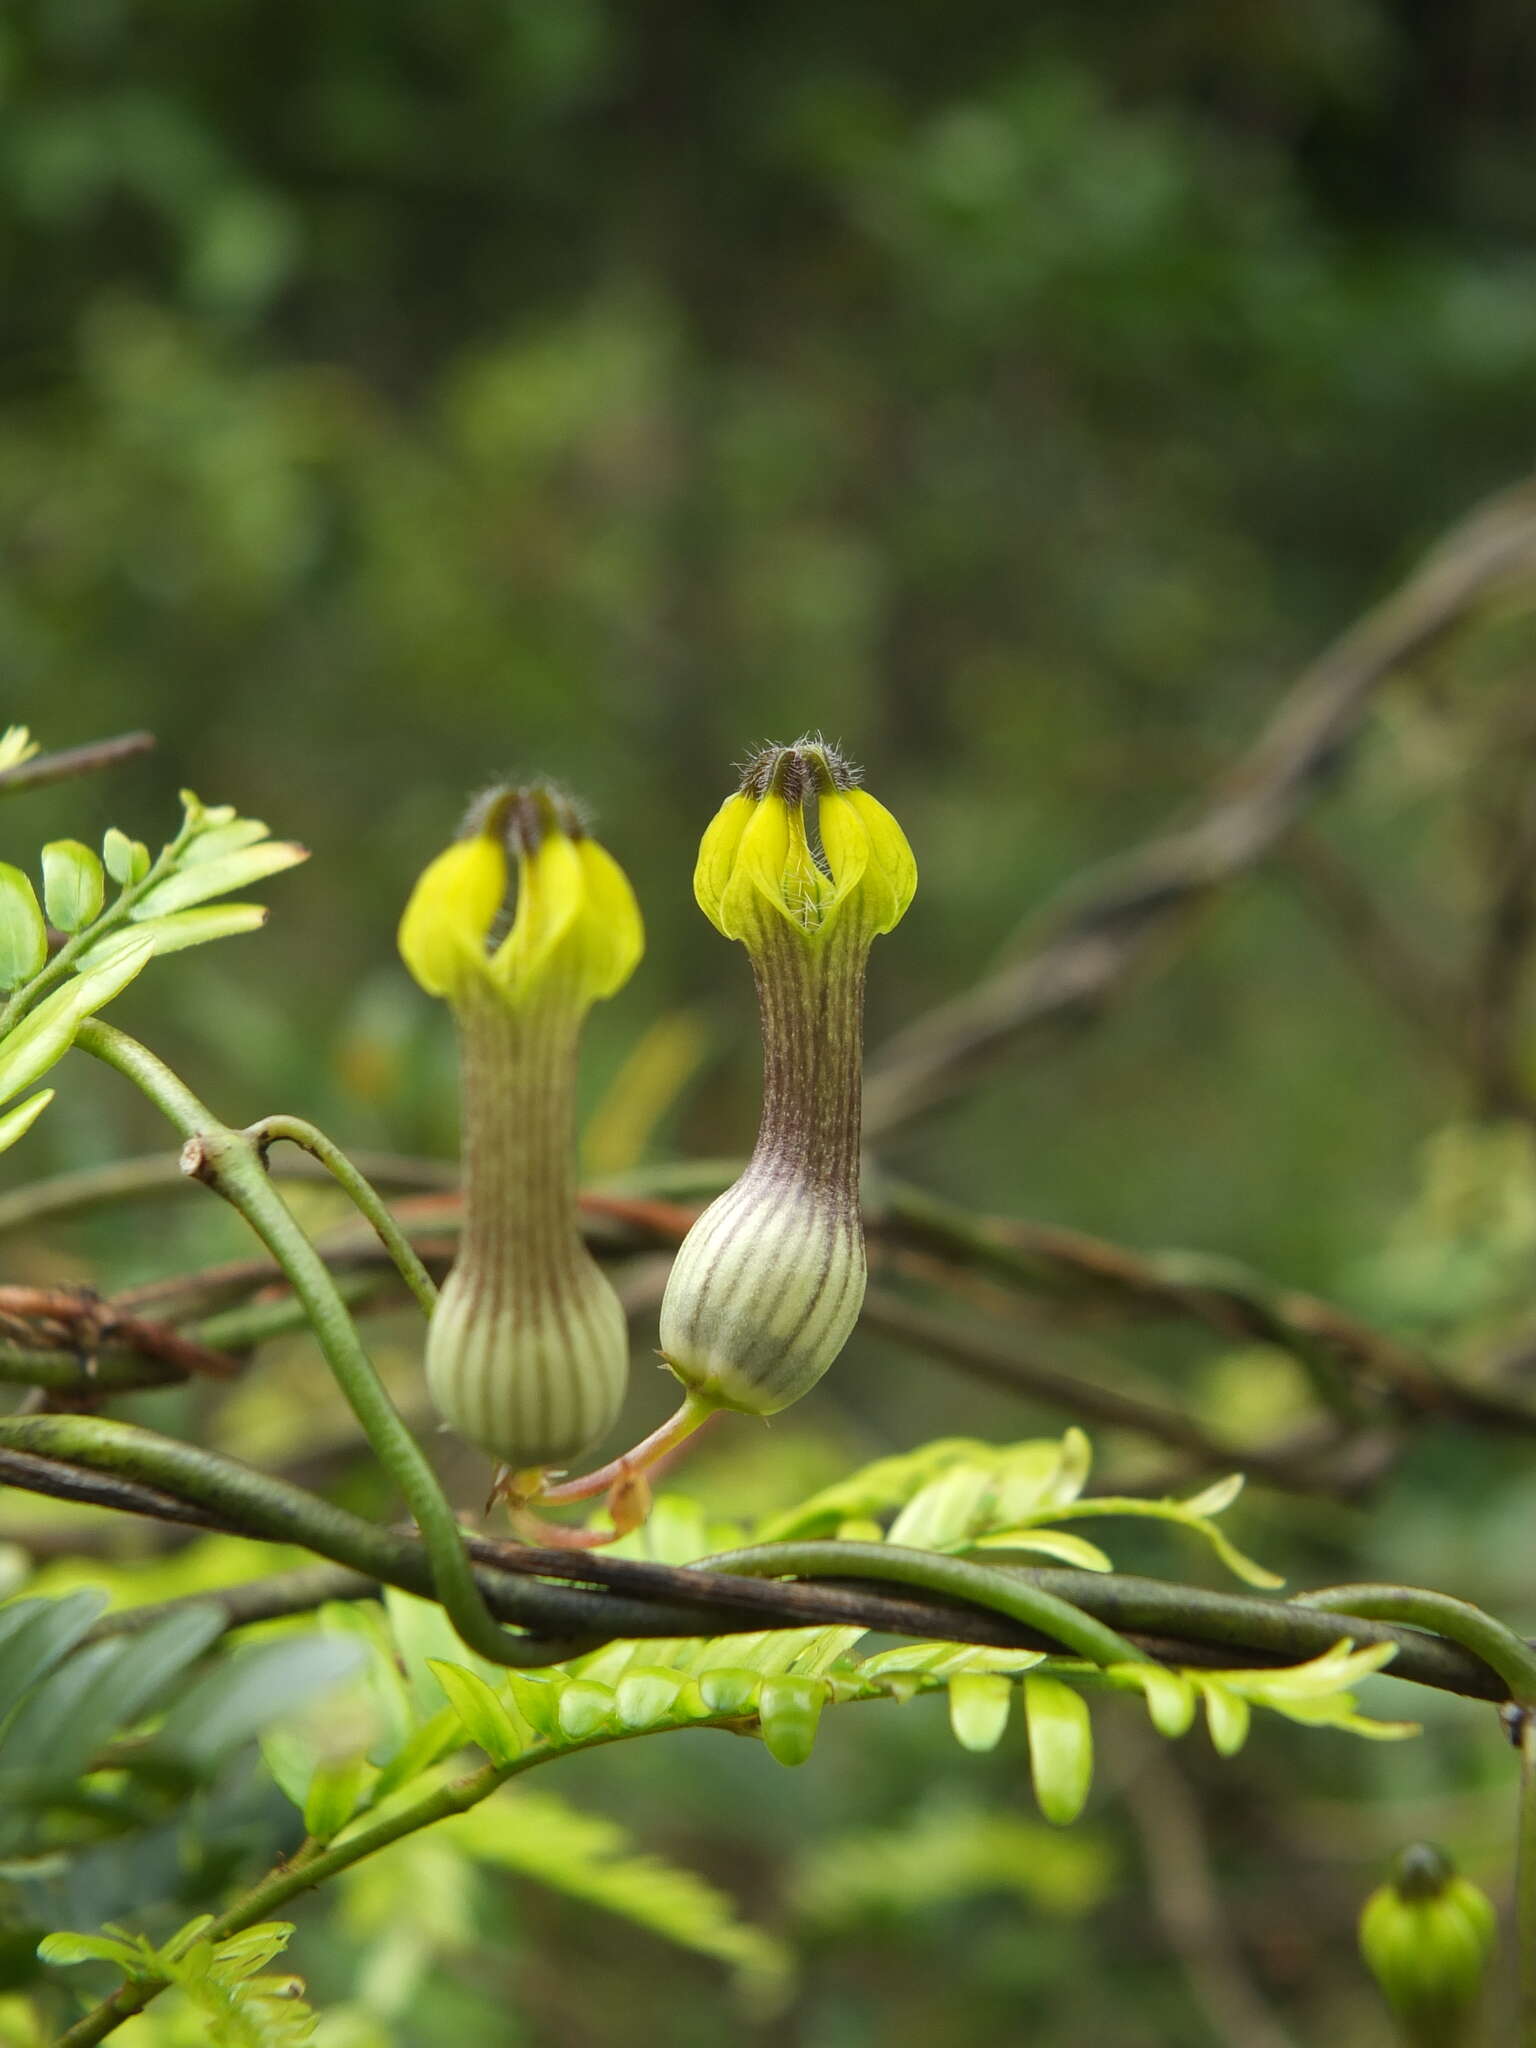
x=1099, y=932
x=1417, y=989
x=85, y=1322
x=358, y=1189
x=1002, y=1361
x=159, y=1173
x=1186, y=1899
x=72, y=761
x=1091, y=1275
x=1495, y=1039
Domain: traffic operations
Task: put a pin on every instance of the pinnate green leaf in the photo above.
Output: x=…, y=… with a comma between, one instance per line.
x=36, y=1635
x=244, y=1692
x=643, y=1697
x=46, y=1034
x=1169, y=1695
x=232, y=871
x=979, y=1704
x=126, y=860
x=584, y=1709
x=74, y=886
x=486, y=1720
x=594, y=1860
x=180, y=929
x=333, y=1795
x=23, y=933
x=788, y=1710
x=17, y=1122
x=1060, y=1747
x=1226, y=1715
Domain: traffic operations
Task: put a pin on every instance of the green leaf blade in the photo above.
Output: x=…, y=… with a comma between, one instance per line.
x=486, y=1720
x=1060, y=1747
x=23, y=933
x=979, y=1705
x=74, y=884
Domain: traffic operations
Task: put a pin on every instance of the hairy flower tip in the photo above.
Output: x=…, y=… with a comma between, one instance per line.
x=810, y=763
x=802, y=844
x=576, y=934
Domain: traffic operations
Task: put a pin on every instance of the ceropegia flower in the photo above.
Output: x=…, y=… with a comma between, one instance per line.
x=527, y=1352
x=769, y=1282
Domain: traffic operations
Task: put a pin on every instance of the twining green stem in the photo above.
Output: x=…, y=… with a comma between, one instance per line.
x=275, y=1511
x=230, y=1162
x=1008, y=1592
x=364, y=1197
x=152, y=1474
x=1508, y=1654
x=120, y=1370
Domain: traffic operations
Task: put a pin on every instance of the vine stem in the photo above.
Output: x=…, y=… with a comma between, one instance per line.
x=231, y=1496
x=118, y=1465
x=1510, y=1655
x=230, y=1162
x=363, y=1196
x=952, y=1577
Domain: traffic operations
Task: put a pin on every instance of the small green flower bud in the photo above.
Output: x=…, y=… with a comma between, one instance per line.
x=1426, y=1936
x=528, y=1351
x=768, y=1284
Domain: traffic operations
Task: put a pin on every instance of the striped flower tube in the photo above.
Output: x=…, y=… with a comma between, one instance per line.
x=769, y=1282
x=527, y=1351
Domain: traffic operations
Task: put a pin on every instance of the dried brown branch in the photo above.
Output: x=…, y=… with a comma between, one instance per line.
x=1507, y=818
x=996, y=1356
x=1091, y=1277
x=90, y=1188
x=73, y=761
x=1187, y=1900
x=79, y=1321
x=1102, y=930
x=1418, y=989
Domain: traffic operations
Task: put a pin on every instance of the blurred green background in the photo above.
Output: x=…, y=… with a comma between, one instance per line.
x=397, y=397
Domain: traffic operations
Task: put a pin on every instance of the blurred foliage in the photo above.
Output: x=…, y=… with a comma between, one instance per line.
x=392, y=397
